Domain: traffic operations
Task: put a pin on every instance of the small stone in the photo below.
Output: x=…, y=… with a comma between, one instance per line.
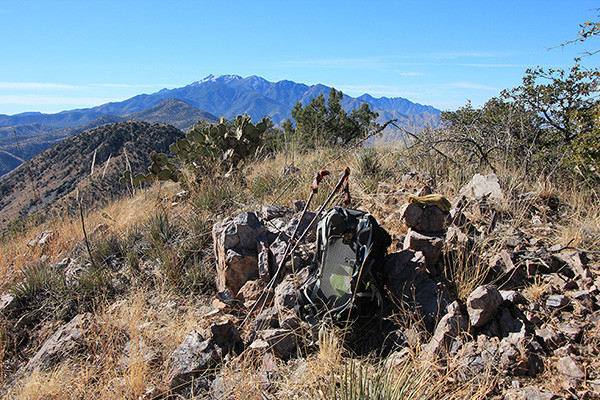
x=571, y=332
x=8, y=302
x=281, y=342
x=446, y=332
x=564, y=351
x=274, y=211
x=429, y=245
x=570, y=367
x=529, y=393
x=557, y=301
x=512, y=296
x=193, y=356
x=483, y=304
x=225, y=334
x=550, y=337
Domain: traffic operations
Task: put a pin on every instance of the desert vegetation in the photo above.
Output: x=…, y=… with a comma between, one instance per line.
x=103, y=301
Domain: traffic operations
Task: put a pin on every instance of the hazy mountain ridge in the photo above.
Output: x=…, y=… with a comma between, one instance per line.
x=35, y=138
x=207, y=99
x=223, y=95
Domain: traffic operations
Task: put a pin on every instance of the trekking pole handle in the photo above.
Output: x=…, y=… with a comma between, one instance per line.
x=320, y=175
x=339, y=185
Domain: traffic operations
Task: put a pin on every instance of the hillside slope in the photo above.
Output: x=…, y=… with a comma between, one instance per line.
x=53, y=175
x=34, y=138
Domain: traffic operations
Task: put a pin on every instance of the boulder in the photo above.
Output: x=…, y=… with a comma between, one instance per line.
x=483, y=186
x=428, y=219
x=193, y=356
x=65, y=342
x=237, y=244
x=483, y=304
x=428, y=244
x=406, y=280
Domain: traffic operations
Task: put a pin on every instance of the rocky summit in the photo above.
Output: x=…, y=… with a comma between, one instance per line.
x=176, y=302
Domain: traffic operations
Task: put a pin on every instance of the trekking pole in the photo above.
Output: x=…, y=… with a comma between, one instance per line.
x=343, y=180
x=314, y=189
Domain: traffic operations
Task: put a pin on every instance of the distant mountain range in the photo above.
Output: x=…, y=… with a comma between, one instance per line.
x=207, y=99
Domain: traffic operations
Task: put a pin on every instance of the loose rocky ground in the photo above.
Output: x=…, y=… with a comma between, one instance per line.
x=479, y=292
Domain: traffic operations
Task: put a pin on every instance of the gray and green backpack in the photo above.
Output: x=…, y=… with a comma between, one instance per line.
x=344, y=274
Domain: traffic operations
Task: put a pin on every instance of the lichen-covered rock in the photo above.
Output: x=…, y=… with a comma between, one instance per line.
x=237, y=245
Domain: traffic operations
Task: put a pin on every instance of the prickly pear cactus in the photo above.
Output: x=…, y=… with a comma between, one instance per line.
x=227, y=143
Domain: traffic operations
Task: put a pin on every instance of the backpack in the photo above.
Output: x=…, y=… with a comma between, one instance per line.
x=344, y=274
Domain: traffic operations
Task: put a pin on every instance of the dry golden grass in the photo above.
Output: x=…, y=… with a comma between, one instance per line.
x=154, y=314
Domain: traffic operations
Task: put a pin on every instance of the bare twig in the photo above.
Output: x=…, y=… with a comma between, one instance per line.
x=427, y=144
x=375, y=132
x=87, y=242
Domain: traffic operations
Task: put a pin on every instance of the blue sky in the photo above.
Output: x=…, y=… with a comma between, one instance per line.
x=58, y=55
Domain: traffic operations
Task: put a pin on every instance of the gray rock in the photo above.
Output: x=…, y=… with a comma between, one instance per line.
x=275, y=211
x=428, y=244
x=481, y=186
x=564, y=351
x=550, y=337
x=65, y=342
x=225, y=334
x=8, y=302
x=138, y=349
x=282, y=342
x=483, y=304
x=512, y=328
x=237, y=243
x=265, y=320
x=570, y=367
x=251, y=291
x=513, y=297
x=575, y=261
x=408, y=283
x=42, y=239
x=572, y=332
x=193, y=356
x=557, y=301
x=529, y=393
